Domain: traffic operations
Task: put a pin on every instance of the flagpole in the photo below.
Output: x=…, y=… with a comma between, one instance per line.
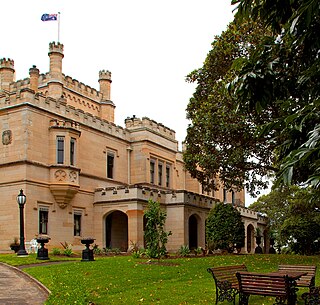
x=58, y=26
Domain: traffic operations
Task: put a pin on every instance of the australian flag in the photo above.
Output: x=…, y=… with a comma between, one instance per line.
x=49, y=17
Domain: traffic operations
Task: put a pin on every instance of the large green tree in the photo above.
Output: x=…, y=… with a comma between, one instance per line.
x=268, y=122
x=281, y=79
x=224, y=227
x=294, y=217
x=220, y=140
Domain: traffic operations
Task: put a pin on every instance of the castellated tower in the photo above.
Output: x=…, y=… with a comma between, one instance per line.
x=7, y=73
x=55, y=72
x=107, y=106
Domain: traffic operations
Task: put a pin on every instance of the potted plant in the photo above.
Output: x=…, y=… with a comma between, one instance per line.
x=15, y=246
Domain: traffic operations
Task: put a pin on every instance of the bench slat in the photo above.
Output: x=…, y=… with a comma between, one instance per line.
x=307, y=280
x=263, y=284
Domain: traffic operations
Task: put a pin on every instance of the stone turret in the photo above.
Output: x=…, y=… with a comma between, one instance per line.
x=105, y=84
x=107, y=106
x=55, y=72
x=7, y=73
x=34, y=78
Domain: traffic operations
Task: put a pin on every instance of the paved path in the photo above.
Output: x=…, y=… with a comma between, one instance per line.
x=18, y=288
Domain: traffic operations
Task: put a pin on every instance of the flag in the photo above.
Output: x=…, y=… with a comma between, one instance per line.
x=49, y=17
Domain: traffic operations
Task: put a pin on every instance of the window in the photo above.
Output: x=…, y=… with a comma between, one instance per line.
x=224, y=195
x=233, y=197
x=160, y=166
x=60, y=150
x=43, y=220
x=152, y=166
x=168, y=176
x=110, y=165
x=72, y=151
x=77, y=223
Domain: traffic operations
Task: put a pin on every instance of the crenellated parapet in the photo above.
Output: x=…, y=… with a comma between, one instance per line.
x=56, y=47
x=79, y=87
x=144, y=193
x=136, y=124
x=245, y=212
x=6, y=73
x=60, y=107
x=7, y=63
x=105, y=75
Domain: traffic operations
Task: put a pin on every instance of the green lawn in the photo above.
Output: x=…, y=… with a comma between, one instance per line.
x=125, y=280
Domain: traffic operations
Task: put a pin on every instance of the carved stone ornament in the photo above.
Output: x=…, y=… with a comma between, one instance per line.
x=60, y=175
x=73, y=176
x=6, y=137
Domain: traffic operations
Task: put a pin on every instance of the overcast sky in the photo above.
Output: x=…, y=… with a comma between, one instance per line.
x=148, y=45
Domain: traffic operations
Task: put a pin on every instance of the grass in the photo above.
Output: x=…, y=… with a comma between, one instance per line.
x=125, y=280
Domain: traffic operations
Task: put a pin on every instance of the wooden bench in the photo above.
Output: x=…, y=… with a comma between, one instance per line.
x=277, y=286
x=226, y=282
x=305, y=280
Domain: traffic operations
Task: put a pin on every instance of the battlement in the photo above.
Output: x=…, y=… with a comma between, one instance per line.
x=7, y=63
x=60, y=107
x=104, y=75
x=144, y=193
x=135, y=123
x=79, y=87
x=251, y=214
x=55, y=47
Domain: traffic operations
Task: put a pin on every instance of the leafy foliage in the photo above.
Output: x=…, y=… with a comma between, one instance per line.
x=224, y=227
x=221, y=141
x=281, y=79
x=155, y=236
x=294, y=218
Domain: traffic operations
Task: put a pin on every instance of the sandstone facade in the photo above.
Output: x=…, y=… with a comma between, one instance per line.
x=85, y=176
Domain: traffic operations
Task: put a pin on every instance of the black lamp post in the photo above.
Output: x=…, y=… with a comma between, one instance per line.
x=21, y=199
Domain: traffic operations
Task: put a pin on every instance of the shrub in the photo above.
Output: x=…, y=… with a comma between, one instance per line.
x=67, y=250
x=155, y=236
x=184, y=251
x=224, y=227
x=96, y=249
x=56, y=251
x=198, y=251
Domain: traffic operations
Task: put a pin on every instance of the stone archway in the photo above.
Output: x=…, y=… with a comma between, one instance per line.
x=116, y=231
x=250, y=238
x=193, y=232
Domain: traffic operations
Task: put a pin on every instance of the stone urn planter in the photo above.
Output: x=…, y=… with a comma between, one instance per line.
x=42, y=253
x=87, y=253
x=15, y=246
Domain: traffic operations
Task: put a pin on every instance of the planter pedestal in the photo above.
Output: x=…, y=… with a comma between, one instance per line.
x=258, y=249
x=42, y=253
x=87, y=253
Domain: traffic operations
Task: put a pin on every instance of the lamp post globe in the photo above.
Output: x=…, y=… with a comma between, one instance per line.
x=21, y=199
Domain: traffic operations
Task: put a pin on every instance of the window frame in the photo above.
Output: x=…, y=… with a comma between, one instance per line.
x=73, y=151
x=160, y=173
x=43, y=226
x=77, y=219
x=60, y=158
x=152, y=171
x=110, y=166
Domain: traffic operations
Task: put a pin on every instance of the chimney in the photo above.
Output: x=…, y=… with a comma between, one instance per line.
x=7, y=73
x=34, y=78
x=107, y=106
